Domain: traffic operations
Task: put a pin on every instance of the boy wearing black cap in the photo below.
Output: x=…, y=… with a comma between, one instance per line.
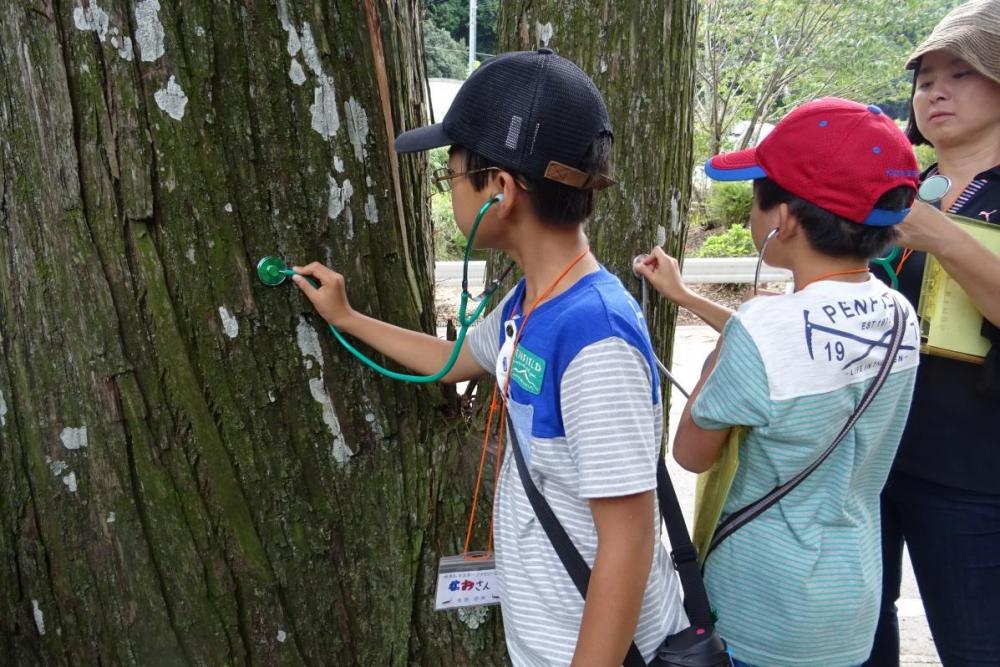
x=529, y=132
x=799, y=585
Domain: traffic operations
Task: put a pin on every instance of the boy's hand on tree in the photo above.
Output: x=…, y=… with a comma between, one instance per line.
x=664, y=274
x=330, y=298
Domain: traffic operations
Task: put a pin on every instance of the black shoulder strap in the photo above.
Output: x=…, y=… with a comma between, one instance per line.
x=683, y=553
x=745, y=515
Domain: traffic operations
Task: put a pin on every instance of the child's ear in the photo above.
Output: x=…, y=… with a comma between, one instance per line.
x=504, y=184
x=788, y=224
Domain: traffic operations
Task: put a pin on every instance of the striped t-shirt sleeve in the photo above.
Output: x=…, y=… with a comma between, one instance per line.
x=736, y=393
x=609, y=419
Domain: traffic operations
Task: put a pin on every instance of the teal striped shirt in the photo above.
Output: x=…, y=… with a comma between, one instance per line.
x=801, y=584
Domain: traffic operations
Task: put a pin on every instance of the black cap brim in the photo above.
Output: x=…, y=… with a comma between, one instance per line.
x=422, y=139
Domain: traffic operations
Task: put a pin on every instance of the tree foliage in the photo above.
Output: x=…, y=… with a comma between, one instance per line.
x=453, y=17
x=446, y=58
x=757, y=59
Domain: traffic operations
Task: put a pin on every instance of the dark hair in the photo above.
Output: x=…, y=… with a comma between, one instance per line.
x=554, y=203
x=831, y=234
x=912, y=133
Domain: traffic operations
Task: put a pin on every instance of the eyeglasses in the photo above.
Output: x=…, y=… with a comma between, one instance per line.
x=442, y=178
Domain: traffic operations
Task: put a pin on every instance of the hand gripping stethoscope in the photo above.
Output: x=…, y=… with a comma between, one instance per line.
x=273, y=271
x=931, y=191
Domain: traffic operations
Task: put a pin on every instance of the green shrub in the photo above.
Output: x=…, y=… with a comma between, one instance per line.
x=926, y=155
x=734, y=242
x=728, y=204
x=449, y=242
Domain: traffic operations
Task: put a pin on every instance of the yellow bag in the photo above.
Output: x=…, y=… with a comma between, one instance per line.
x=712, y=490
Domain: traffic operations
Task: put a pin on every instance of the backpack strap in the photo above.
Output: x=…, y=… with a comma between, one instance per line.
x=683, y=553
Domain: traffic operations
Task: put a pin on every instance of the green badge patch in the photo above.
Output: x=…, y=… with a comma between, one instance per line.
x=528, y=370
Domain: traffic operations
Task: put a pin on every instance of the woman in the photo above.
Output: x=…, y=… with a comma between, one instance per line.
x=943, y=495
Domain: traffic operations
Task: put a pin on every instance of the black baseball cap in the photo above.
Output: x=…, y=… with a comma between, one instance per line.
x=532, y=112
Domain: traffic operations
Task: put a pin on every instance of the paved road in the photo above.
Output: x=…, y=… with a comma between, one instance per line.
x=696, y=270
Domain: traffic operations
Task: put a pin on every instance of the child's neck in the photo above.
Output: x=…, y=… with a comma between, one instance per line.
x=544, y=255
x=812, y=267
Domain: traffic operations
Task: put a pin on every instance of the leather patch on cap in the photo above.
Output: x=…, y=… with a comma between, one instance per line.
x=573, y=177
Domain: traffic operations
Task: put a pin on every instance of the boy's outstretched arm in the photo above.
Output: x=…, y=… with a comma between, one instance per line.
x=664, y=274
x=420, y=352
x=696, y=448
x=625, y=540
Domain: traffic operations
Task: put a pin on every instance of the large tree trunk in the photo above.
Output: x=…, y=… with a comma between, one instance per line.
x=640, y=53
x=191, y=470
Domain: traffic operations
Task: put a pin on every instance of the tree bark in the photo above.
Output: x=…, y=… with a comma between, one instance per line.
x=640, y=53
x=191, y=471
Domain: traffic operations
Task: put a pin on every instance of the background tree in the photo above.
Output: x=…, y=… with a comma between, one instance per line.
x=640, y=54
x=191, y=471
x=446, y=58
x=757, y=59
x=453, y=16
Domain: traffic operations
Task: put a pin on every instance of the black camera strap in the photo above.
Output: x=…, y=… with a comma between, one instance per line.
x=683, y=552
x=745, y=515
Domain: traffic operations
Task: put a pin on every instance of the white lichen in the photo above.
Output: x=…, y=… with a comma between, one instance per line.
x=149, y=30
x=296, y=73
x=190, y=254
x=661, y=235
x=545, y=32
x=675, y=217
x=371, y=210
x=229, y=324
x=228, y=208
x=3, y=411
x=308, y=342
x=338, y=164
x=70, y=482
x=339, y=196
x=74, y=438
x=171, y=99
x=325, y=119
x=282, y=636
x=92, y=18
x=309, y=50
x=36, y=611
x=111, y=518
x=199, y=31
x=126, y=51
x=57, y=467
x=473, y=617
x=357, y=127
x=294, y=43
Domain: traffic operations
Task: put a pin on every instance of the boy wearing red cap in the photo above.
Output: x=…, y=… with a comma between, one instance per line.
x=799, y=585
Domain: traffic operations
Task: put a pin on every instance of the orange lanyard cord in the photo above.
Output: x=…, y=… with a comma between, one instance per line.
x=902, y=261
x=833, y=274
x=479, y=475
x=503, y=411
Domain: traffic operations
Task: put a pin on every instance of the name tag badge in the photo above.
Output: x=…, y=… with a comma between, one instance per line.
x=467, y=580
x=504, y=361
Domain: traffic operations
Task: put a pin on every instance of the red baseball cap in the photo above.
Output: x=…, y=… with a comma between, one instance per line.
x=839, y=155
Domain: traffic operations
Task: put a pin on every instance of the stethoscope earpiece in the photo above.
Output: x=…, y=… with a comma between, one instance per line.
x=498, y=197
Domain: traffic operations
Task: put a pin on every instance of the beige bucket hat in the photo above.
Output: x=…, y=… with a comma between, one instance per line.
x=972, y=32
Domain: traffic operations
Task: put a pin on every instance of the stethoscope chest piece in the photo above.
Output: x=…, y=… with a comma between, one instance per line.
x=933, y=189
x=271, y=271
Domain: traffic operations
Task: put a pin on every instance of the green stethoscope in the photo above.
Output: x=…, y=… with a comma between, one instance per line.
x=272, y=271
x=931, y=191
